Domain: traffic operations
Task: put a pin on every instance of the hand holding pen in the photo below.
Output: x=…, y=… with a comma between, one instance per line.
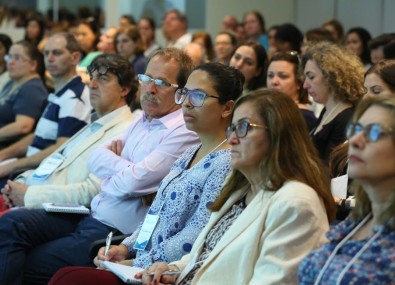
x=115, y=253
x=108, y=243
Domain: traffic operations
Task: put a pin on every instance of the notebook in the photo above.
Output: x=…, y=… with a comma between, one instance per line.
x=65, y=208
x=124, y=272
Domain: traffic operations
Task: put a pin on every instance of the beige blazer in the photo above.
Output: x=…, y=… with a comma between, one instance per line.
x=72, y=182
x=266, y=243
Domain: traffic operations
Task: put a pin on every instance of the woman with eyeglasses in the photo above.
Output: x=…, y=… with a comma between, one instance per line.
x=273, y=209
x=361, y=249
x=334, y=78
x=23, y=98
x=180, y=208
x=283, y=75
x=251, y=59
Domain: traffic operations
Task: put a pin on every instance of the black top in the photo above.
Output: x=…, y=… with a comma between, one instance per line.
x=310, y=118
x=332, y=134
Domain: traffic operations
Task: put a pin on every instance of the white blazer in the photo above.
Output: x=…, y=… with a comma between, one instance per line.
x=266, y=243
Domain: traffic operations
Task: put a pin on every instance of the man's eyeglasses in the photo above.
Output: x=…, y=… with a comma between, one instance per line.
x=102, y=70
x=371, y=132
x=160, y=83
x=241, y=129
x=196, y=97
x=16, y=57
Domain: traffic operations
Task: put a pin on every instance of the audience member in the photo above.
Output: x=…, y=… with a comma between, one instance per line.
x=288, y=38
x=204, y=39
x=316, y=35
x=254, y=25
x=272, y=210
x=128, y=43
x=23, y=97
x=88, y=35
x=67, y=111
x=271, y=34
x=251, y=59
x=229, y=23
x=126, y=21
x=174, y=29
x=241, y=33
x=380, y=79
x=334, y=78
x=284, y=75
x=111, y=94
x=35, y=29
x=147, y=29
x=194, y=181
x=225, y=44
x=360, y=250
x=357, y=41
x=106, y=43
x=376, y=46
x=335, y=27
x=5, y=44
x=196, y=52
x=130, y=167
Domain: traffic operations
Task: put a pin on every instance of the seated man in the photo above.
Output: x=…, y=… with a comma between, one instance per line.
x=61, y=177
x=68, y=109
x=34, y=244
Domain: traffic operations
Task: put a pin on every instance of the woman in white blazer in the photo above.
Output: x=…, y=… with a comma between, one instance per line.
x=274, y=208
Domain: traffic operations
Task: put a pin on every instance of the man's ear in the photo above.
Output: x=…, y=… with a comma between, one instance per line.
x=76, y=57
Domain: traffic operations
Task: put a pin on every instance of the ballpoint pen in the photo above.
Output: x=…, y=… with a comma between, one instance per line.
x=108, y=243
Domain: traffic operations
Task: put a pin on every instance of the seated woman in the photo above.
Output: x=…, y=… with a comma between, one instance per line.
x=251, y=59
x=192, y=184
x=23, y=98
x=336, y=81
x=361, y=250
x=272, y=210
x=283, y=75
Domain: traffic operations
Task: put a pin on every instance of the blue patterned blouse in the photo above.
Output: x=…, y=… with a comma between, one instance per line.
x=185, y=194
x=376, y=264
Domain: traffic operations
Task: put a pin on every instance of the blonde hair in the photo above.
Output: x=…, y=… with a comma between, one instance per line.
x=292, y=155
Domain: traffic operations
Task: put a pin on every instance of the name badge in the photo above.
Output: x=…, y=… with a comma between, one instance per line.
x=146, y=231
x=339, y=186
x=48, y=166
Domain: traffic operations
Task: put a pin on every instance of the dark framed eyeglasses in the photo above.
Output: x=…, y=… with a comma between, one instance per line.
x=102, y=70
x=371, y=132
x=196, y=96
x=160, y=83
x=241, y=129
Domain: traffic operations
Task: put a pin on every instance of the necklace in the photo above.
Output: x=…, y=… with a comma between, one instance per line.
x=214, y=149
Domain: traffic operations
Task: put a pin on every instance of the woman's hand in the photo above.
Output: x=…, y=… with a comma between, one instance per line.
x=158, y=268
x=116, y=253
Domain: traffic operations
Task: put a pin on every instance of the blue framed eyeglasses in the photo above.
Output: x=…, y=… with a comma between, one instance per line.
x=241, y=129
x=160, y=83
x=196, y=96
x=371, y=132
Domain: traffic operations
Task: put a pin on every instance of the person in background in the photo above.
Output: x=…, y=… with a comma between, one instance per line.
x=288, y=38
x=357, y=40
x=360, y=250
x=106, y=42
x=193, y=183
x=88, y=35
x=241, y=34
x=229, y=23
x=68, y=109
x=174, y=29
x=111, y=96
x=204, y=39
x=196, y=52
x=251, y=59
x=147, y=29
x=254, y=26
x=377, y=44
x=23, y=97
x=334, y=78
x=35, y=29
x=283, y=74
x=126, y=21
x=224, y=46
x=271, y=34
x=128, y=43
x=335, y=27
x=272, y=210
x=380, y=79
x=5, y=44
x=316, y=35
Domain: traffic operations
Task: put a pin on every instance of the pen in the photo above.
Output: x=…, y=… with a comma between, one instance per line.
x=108, y=243
x=170, y=272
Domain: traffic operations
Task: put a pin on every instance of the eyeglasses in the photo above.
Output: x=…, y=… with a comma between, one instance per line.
x=196, y=97
x=160, y=83
x=16, y=57
x=371, y=132
x=102, y=70
x=281, y=54
x=241, y=129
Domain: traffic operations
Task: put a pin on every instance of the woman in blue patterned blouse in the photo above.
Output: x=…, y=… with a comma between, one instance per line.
x=193, y=183
x=361, y=250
